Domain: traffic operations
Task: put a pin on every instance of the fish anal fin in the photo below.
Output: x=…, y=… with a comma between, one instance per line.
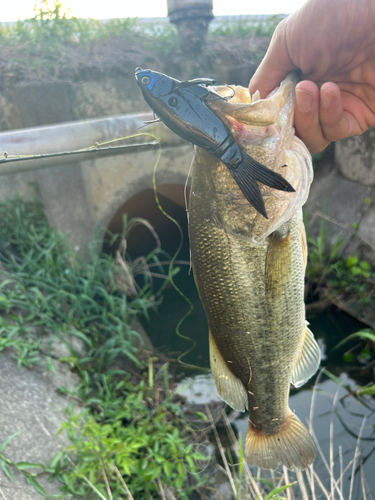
x=229, y=387
x=291, y=446
x=308, y=359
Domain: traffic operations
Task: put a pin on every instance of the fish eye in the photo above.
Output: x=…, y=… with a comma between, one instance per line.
x=145, y=80
x=172, y=101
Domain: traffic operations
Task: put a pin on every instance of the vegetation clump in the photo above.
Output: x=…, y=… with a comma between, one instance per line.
x=53, y=46
x=132, y=436
x=347, y=283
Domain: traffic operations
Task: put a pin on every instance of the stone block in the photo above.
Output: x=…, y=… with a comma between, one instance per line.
x=30, y=406
x=44, y=103
x=340, y=204
x=355, y=158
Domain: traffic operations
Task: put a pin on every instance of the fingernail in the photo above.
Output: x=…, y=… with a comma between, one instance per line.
x=326, y=98
x=304, y=101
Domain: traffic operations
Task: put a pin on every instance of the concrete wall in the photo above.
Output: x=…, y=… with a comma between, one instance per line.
x=82, y=197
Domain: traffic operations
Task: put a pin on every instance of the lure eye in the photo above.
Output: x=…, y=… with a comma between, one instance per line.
x=145, y=80
x=172, y=101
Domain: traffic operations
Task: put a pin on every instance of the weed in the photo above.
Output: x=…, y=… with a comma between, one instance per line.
x=244, y=29
x=130, y=423
x=330, y=274
x=50, y=32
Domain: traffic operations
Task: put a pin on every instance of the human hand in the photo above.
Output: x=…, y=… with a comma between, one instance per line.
x=333, y=45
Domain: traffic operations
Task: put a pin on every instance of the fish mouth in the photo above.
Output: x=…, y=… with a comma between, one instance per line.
x=137, y=70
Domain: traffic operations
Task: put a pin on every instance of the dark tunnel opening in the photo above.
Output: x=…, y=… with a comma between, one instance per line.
x=143, y=205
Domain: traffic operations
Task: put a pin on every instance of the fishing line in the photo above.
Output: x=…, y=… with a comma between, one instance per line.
x=187, y=210
x=170, y=268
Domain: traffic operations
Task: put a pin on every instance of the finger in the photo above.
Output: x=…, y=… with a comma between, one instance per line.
x=266, y=78
x=335, y=123
x=275, y=66
x=306, y=117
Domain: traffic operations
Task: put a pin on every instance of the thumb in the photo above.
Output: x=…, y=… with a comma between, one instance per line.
x=275, y=65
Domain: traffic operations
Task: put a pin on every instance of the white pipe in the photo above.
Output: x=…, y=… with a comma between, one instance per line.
x=74, y=136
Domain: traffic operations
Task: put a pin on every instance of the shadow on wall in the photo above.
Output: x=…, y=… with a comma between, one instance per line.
x=143, y=205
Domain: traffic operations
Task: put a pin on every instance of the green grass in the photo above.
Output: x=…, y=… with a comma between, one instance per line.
x=330, y=273
x=50, y=31
x=334, y=278
x=52, y=290
x=245, y=28
x=131, y=430
x=50, y=38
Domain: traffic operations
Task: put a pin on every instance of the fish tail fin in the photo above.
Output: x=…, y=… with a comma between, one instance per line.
x=250, y=190
x=291, y=446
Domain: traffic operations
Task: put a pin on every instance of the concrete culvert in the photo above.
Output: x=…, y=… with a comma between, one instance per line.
x=143, y=205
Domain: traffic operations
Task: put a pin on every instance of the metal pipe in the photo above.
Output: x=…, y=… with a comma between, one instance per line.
x=73, y=136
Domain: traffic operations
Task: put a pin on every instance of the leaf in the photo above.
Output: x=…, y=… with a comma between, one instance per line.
x=355, y=270
x=55, y=459
x=351, y=261
x=363, y=334
x=5, y=283
x=7, y=441
x=275, y=492
x=367, y=390
x=28, y=465
x=348, y=357
x=6, y=470
x=201, y=415
x=81, y=336
x=167, y=469
x=364, y=265
x=34, y=483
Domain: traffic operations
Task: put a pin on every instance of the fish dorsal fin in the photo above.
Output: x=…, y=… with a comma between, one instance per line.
x=228, y=386
x=308, y=359
x=278, y=261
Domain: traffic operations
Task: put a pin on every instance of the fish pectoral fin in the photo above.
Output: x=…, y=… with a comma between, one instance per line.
x=308, y=359
x=229, y=387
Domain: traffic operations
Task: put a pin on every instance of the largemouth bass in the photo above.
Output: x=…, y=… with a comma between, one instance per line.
x=250, y=276
x=183, y=107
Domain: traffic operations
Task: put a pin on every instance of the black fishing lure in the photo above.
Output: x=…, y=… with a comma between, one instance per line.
x=182, y=107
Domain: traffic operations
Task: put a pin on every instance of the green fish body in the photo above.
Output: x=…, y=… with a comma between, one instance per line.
x=250, y=276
